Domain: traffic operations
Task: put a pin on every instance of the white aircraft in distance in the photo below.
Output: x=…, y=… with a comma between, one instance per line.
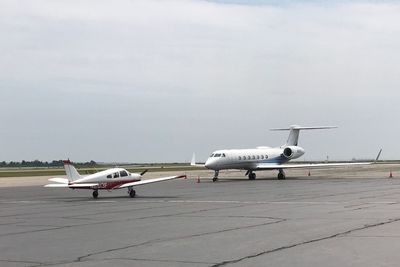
x=267, y=158
x=110, y=179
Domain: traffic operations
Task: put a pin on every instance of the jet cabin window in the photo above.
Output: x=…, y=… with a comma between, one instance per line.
x=116, y=175
x=123, y=173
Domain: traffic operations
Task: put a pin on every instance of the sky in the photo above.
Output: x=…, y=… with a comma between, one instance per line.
x=155, y=81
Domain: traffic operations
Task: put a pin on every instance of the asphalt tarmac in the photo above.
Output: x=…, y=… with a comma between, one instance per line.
x=303, y=221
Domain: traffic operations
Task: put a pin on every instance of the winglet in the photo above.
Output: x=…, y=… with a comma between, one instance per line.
x=379, y=154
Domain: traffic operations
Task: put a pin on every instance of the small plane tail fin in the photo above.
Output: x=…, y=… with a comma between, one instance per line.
x=72, y=173
x=293, y=138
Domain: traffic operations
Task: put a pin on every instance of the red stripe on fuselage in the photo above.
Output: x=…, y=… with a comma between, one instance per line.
x=105, y=185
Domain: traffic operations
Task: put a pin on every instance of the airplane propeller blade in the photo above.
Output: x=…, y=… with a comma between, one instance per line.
x=143, y=172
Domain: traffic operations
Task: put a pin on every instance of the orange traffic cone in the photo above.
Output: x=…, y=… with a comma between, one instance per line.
x=390, y=174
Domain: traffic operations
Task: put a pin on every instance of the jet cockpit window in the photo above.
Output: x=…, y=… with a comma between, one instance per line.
x=217, y=155
x=223, y=155
x=123, y=173
x=116, y=175
x=240, y=157
x=212, y=155
x=109, y=176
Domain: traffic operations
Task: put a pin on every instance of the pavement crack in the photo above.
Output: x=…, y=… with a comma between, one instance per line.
x=157, y=260
x=151, y=242
x=305, y=242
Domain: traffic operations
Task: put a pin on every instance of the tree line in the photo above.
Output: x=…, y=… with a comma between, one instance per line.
x=43, y=164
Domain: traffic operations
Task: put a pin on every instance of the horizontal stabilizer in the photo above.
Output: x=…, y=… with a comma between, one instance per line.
x=57, y=185
x=59, y=180
x=293, y=139
x=150, y=181
x=297, y=127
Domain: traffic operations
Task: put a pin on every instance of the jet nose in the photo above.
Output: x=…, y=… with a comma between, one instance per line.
x=210, y=163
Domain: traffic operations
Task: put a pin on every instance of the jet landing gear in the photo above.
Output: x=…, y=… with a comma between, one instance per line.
x=131, y=192
x=281, y=175
x=215, y=178
x=95, y=193
x=252, y=176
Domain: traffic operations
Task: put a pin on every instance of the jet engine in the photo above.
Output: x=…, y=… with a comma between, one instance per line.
x=293, y=152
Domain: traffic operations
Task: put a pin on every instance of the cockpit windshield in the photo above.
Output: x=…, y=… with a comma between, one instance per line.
x=217, y=155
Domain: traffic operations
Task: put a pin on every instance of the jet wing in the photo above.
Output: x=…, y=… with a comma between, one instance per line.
x=150, y=181
x=268, y=166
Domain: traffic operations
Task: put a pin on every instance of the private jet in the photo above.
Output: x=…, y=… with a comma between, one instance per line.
x=267, y=158
x=111, y=179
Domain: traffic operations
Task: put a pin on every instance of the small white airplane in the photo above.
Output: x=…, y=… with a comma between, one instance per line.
x=111, y=179
x=267, y=158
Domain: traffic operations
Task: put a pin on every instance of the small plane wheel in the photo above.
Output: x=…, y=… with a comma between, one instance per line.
x=252, y=176
x=132, y=193
x=95, y=194
x=281, y=176
x=215, y=179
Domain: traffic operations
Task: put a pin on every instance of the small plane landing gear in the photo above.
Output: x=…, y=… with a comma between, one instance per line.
x=95, y=193
x=281, y=175
x=215, y=178
x=131, y=192
x=252, y=176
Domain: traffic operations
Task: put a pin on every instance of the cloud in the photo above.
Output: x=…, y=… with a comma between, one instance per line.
x=188, y=75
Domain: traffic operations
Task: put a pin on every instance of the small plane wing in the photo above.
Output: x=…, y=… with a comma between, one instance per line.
x=266, y=166
x=150, y=181
x=91, y=185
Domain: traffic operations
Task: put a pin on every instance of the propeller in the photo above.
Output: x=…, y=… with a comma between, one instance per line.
x=143, y=172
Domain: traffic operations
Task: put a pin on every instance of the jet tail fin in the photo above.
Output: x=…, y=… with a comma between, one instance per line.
x=72, y=173
x=293, y=138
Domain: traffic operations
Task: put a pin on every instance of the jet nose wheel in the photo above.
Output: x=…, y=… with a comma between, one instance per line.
x=281, y=175
x=95, y=194
x=132, y=193
x=252, y=176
